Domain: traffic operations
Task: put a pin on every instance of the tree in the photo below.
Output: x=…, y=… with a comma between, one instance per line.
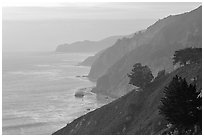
x=181, y=106
x=140, y=75
x=187, y=55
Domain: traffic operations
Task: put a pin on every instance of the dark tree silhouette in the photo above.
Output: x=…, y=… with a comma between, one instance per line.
x=187, y=55
x=140, y=75
x=181, y=106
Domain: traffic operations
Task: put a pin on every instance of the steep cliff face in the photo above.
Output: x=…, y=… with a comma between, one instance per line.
x=175, y=32
x=87, y=46
x=134, y=113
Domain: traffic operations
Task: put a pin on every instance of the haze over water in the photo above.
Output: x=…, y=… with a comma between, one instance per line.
x=38, y=92
x=41, y=26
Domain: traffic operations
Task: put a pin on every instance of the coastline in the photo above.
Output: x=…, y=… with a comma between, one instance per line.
x=89, y=91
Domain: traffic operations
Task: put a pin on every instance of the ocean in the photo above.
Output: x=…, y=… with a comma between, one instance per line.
x=38, y=91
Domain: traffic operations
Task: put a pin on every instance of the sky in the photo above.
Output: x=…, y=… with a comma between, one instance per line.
x=39, y=25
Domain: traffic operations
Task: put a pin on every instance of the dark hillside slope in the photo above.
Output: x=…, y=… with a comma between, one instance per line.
x=134, y=113
x=184, y=31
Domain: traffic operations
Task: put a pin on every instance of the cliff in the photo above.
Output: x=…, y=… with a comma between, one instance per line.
x=153, y=47
x=87, y=46
x=90, y=60
x=134, y=113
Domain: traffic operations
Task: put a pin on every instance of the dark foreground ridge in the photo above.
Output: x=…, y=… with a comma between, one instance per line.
x=135, y=113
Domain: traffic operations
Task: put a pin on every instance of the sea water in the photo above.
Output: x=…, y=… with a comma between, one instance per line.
x=38, y=92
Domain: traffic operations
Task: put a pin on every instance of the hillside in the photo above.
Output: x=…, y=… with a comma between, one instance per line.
x=170, y=34
x=87, y=46
x=116, y=52
x=124, y=45
x=90, y=60
x=134, y=113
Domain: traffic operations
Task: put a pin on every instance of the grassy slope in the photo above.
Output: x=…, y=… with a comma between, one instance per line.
x=134, y=113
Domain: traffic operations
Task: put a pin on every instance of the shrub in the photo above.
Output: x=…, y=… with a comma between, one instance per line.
x=140, y=75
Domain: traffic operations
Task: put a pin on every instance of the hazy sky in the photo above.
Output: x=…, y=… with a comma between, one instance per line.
x=42, y=26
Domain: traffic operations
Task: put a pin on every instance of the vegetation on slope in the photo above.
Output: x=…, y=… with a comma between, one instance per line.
x=176, y=33
x=182, y=107
x=140, y=76
x=135, y=113
x=187, y=55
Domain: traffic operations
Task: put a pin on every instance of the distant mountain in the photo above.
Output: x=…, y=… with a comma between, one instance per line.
x=136, y=113
x=90, y=60
x=87, y=46
x=153, y=47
